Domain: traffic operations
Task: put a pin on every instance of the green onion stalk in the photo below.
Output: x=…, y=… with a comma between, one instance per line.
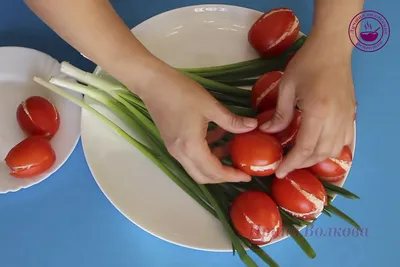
x=248, y=68
x=209, y=201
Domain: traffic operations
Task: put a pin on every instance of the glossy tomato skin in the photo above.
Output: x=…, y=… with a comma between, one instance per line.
x=256, y=217
x=289, y=193
x=256, y=153
x=31, y=157
x=287, y=136
x=264, y=93
x=37, y=116
x=331, y=170
x=274, y=32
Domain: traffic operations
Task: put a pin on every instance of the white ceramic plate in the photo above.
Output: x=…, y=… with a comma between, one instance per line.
x=18, y=66
x=187, y=37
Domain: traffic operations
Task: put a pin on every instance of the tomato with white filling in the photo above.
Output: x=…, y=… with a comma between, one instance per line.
x=300, y=193
x=31, y=157
x=256, y=217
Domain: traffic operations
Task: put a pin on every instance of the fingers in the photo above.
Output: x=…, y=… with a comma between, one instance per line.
x=284, y=110
x=222, y=151
x=231, y=122
x=306, y=141
x=211, y=167
x=204, y=166
x=215, y=135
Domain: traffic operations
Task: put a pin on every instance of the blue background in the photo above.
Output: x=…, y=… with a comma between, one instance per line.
x=67, y=221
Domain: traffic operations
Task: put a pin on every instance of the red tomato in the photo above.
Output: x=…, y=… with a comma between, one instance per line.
x=30, y=157
x=256, y=217
x=274, y=32
x=264, y=94
x=37, y=116
x=256, y=153
x=286, y=137
x=334, y=169
x=300, y=193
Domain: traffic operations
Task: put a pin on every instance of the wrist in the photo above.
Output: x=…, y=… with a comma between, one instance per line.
x=138, y=72
x=332, y=44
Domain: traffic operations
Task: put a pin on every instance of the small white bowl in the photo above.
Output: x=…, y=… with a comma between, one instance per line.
x=18, y=66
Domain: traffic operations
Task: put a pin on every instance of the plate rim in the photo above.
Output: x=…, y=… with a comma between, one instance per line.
x=76, y=140
x=98, y=68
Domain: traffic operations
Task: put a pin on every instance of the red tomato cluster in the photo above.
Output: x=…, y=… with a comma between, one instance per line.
x=255, y=214
x=40, y=121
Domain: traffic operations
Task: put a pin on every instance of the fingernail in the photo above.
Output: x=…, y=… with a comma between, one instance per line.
x=265, y=126
x=249, y=122
x=280, y=175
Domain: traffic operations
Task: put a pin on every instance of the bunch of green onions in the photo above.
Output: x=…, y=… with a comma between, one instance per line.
x=216, y=199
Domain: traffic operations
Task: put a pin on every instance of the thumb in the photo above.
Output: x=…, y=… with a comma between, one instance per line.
x=231, y=122
x=284, y=110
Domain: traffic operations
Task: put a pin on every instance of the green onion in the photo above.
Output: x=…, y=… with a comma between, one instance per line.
x=249, y=71
x=218, y=87
x=300, y=240
x=339, y=190
x=297, y=236
x=222, y=68
x=326, y=213
x=332, y=209
x=238, y=82
x=230, y=100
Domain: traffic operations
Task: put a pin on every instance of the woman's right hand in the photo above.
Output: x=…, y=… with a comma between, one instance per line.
x=181, y=110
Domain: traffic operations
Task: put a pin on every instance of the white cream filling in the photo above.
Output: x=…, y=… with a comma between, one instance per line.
x=273, y=12
x=272, y=166
x=345, y=165
x=25, y=167
x=266, y=92
x=318, y=203
x=265, y=235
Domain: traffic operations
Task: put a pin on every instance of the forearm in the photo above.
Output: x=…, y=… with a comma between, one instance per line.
x=95, y=29
x=331, y=22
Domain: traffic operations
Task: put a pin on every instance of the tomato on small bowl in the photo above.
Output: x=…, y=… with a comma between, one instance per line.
x=300, y=193
x=37, y=116
x=31, y=157
x=256, y=153
x=256, y=217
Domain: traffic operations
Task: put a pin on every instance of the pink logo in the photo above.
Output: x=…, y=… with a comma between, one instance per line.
x=369, y=31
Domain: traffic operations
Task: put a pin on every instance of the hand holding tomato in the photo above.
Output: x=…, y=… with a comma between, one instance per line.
x=182, y=109
x=318, y=80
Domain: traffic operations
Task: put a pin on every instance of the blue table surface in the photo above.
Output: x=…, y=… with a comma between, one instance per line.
x=67, y=221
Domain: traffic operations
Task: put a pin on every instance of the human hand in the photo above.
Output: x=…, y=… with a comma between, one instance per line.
x=320, y=84
x=181, y=110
